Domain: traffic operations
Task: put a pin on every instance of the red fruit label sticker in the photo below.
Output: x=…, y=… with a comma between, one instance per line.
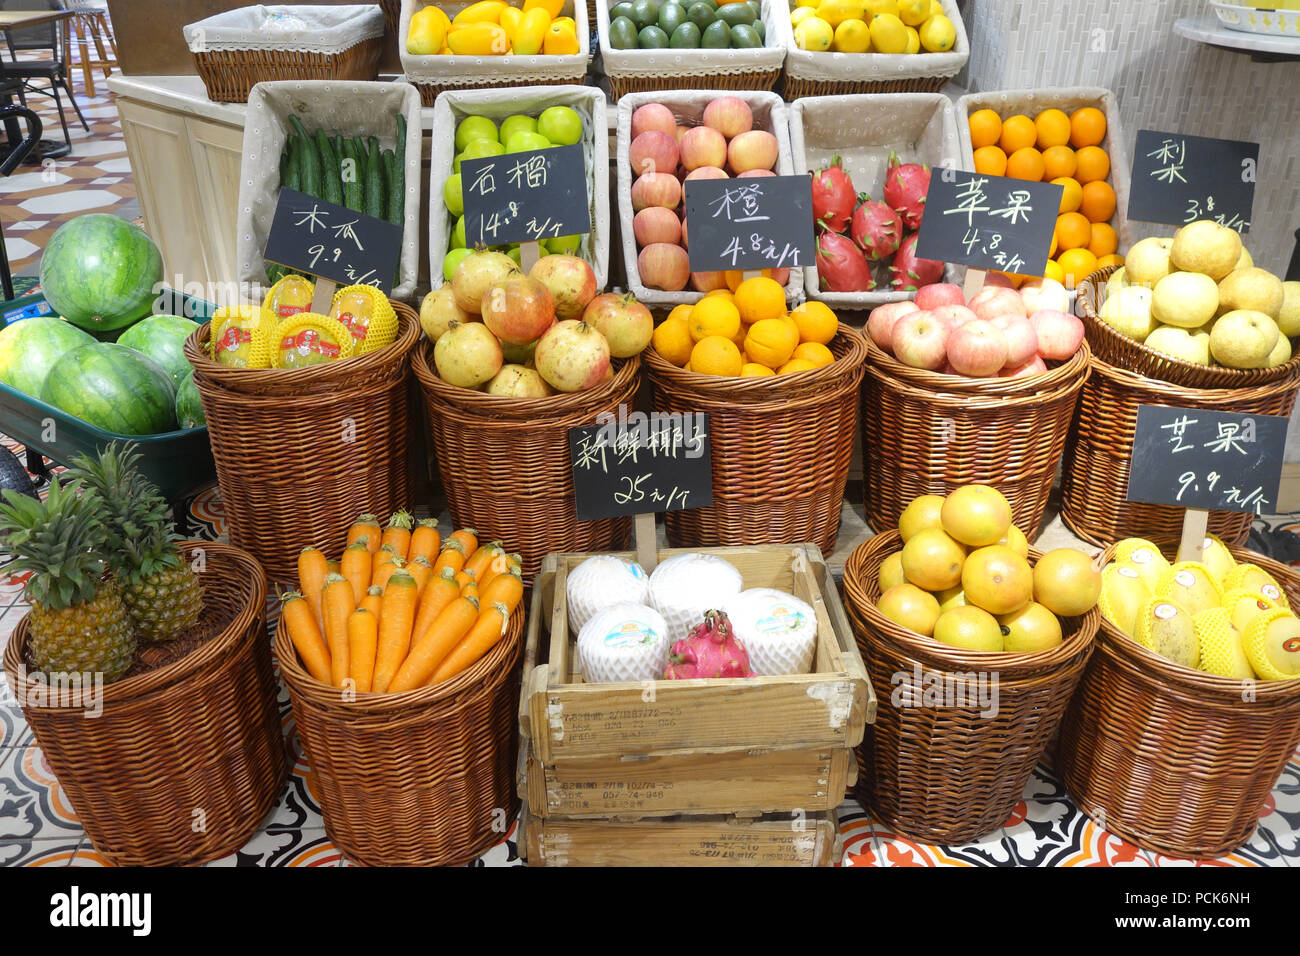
x=233, y=338
x=284, y=311
x=1292, y=646
x=358, y=326
x=307, y=342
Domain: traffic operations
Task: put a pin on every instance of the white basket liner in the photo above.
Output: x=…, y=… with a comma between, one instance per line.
x=348, y=107
x=330, y=29
x=452, y=106
x=862, y=129
x=875, y=67
x=673, y=62
x=770, y=113
x=488, y=71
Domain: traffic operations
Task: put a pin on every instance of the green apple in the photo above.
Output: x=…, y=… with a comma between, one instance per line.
x=561, y=125
x=472, y=128
x=1288, y=317
x=451, y=260
x=478, y=149
x=1128, y=312
x=1243, y=339
x=514, y=253
x=1205, y=246
x=519, y=123
x=1188, y=345
x=453, y=196
x=1148, y=261
x=523, y=141
x=1185, y=299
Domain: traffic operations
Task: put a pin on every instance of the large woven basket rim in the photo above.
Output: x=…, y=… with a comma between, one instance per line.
x=1198, y=397
x=209, y=653
x=859, y=583
x=1072, y=371
x=303, y=381
x=1141, y=359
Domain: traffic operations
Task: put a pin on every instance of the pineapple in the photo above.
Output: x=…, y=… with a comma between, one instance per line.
x=161, y=592
x=78, y=622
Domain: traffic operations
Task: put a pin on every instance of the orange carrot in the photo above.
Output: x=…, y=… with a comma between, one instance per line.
x=366, y=526
x=371, y=602
x=356, y=568
x=425, y=540
x=386, y=569
x=312, y=568
x=452, y=556
x=380, y=557
x=333, y=567
x=443, y=634
x=298, y=617
x=363, y=635
x=470, y=590
x=499, y=564
x=480, y=560
x=506, y=589
x=336, y=600
x=467, y=537
x=398, y=533
x=487, y=630
x=396, y=615
x=441, y=590
x=420, y=569
x=465, y=578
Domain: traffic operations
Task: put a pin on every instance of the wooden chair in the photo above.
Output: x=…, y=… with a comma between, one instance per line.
x=45, y=38
x=89, y=24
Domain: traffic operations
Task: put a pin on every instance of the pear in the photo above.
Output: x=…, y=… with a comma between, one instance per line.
x=1246, y=261
x=1256, y=290
x=1288, y=317
x=1144, y=557
x=1166, y=628
x=1191, y=584
x=1205, y=246
x=1244, y=606
x=1185, y=299
x=1281, y=353
x=1128, y=312
x=1252, y=578
x=1148, y=261
x=1220, y=648
x=1118, y=280
x=1243, y=339
x=1123, y=593
x=1272, y=645
x=1186, y=345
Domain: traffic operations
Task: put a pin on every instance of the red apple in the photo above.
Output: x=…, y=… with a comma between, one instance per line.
x=954, y=315
x=996, y=280
x=1022, y=340
x=755, y=174
x=653, y=116
x=572, y=356
x=703, y=146
x=1059, y=334
x=656, y=189
x=518, y=309
x=664, y=266
x=679, y=132
x=656, y=224
x=626, y=324
x=883, y=318
x=920, y=340
x=939, y=293
x=707, y=172
x=779, y=276
x=686, y=243
x=708, y=281
x=729, y=115
x=571, y=281
x=653, y=152
x=990, y=303
x=756, y=149
x=977, y=349
x=1040, y=294
x=1034, y=366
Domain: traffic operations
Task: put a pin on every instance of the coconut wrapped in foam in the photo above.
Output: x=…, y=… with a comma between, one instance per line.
x=603, y=581
x=623, y=642
x=685, y=586
x=779, y=630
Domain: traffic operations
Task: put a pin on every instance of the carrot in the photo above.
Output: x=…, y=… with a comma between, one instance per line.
x=356, y=568
x=336, y=600
x=487, y=630
x=441, y=590
x=420, y=569
x=304, y=632
x=467, y=537
x=380, y=557
x=425, y=540
x=386, y=569
x=371, y=602
x=366, y=526
x=498, y=565
x=478, y=562
x=470, y=590
x=312, y=568
x=396, y=616
x=506, y=589
x=363, y=635
x=447, y=630
x=398, y=533
x=465, y=579
x=452, y=556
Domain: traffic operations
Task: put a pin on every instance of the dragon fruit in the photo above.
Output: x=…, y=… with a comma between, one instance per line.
x=907, y=273
x=875, y=229
x=841, y=266
x=710, y=650
x=906, y=185
x=832, y=197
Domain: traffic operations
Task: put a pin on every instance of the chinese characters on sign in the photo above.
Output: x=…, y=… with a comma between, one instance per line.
x=1179, y=179
x=333, y=242
x=522, y=197
x=750, y=223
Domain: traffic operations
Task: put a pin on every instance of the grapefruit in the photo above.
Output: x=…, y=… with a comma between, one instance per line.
x=1066, y=582
x=891, y=572
x=922, y=513
x=1015, y=540
x=1032, y=628
x=997, y=579
x=910, y=607
x=976, y=515
x=970, y=628
x=932, y=560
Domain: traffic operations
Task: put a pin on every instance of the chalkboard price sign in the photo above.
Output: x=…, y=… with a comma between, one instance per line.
x=1214, y=461
x=333, y=242
x=525, y=197
x=989, y=222
x=637, y=463
x=1179, y=179
x=760, y=223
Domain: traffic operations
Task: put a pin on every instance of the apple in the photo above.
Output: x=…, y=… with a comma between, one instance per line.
x=997, y=280
x=518, y=123
x=516, y=381
x=518, y=309
x=653, y=152
x=1040, y=294
x=1035, y=366
x=939, y=293
x=708, y=281
x=653, y=116
x=1243, y=339
x=706, y=172
x=880, y=323
x=524, y=141
x=686, y=241
x=656, y=224
x=703, y=146
x=920, y=340
x=954, y=315
x=990, y=303
x=1021, y=339
x=665, y=266
x=626, y=324
x=756, y=149
x=755, y=174
x=467, y=354
x=572, y=356
x=679, y=132
x=570, y=280
x=729, y=115
x=1059, y=334
x=977, y=349
x=656, y=189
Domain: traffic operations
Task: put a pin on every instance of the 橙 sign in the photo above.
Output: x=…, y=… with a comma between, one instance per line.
x=761, y=223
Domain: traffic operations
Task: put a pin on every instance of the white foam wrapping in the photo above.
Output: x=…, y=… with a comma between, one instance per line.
x=774, y=650
x=685, y=586
x=644, y=658
x=602, y=581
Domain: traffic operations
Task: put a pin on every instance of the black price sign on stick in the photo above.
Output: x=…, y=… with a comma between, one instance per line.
x=1213, y=461
x=525, y=197
x=333, y=242
x=989, y=222
x=759, y=223
x=1179, y=179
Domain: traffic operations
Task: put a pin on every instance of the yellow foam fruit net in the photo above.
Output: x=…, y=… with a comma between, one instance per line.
x=310, y=338
x=242, y=336
x=368, y=315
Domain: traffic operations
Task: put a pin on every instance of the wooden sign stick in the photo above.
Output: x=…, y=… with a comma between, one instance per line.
x=647, y=545
x=1192, y=545
x=974, y=282
x=529, y=253
x=324, y=296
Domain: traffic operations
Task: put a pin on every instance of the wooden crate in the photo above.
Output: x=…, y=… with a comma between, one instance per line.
x=699, y=746
x=772, y=840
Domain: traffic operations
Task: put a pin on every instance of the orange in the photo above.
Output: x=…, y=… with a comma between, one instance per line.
x=997, y=579
x=1094, y=164
x=1054, y=271
x=1051, y=250
x=990, y=161
x=1087, y=127
x=1111, y=260
x=735, y=277
x=754, y=370
x=795, y=365
x=672, y=339
x=1018, y=132
x=1071, y=194
x=771, y=342
x=814, y=352
x=1053, y=128
x=760, y=298
x=1104, y=241
x=1059, y=162
x=1027, y=164
x=724, y=293
x=815, y=322
x=910, y=607
x=1077, y=264
x=714, y=355
x=976, y=515
x=985, y=128
x=921, y=513
x=932, y=560
x=682, y=312
x=1098, y=202
x=1031, y=629
x=891, y=574
x=714, y=315
x=1073, y=231
x=1066, y=582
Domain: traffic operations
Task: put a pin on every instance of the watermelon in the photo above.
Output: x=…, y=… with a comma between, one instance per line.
x=162, y=338
x=189, y=407
x=114, y=388
x=100, y=272
x=30, y=347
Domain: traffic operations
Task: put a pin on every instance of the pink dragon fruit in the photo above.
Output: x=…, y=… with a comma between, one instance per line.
x=907, y=273
x=875, y=229
x=906, y=185
x=841, y=266
x=832, y=197
x=711, y=650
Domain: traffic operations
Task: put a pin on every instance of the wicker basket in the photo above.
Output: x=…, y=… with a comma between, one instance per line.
x=781, y=449
x=419, y=778
x=1094, y=486
x=928, y=433
x=1123, y=352
x=951, y=774
x=505, y=463
x=839, y=74
x=299, y=453
x=201, y=732
x=392, y=18
x=1173, y=759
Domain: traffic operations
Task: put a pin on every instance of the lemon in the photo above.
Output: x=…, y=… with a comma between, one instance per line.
x=888, y=34
x=877, y=7
x=811, y=4
x=913, y=40
x=938, y=34
x=936, y=8
x=913, y=12
x=815, y=34
x=852, y=36
x=836, y=12
x=800, y=14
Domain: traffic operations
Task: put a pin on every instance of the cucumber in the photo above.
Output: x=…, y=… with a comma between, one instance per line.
x=284, y=164
x=396, y=188
x=293, y=178
x=375, y=204
x=359, y=150
x=352, y=197
x=331, y=180
x=311, y=160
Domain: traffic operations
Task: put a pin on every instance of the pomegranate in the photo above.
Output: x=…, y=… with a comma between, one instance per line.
x=517, y=310
x=571, y=281
x=662, y=265
x=703, y=146
x=729, y=115
x=572, y=356
x=515, y=381
x=875, y=228
x=656, y=224
x=626, y=324
x=653, y=116
x=756, y=149
x=438, y=309
x=653, y=152
x=710, y=650
x=832, y=197
x=467, y=354
x=656, y=189
x=907, y=273
x=841, y=267
x=476, y=272
x=906, y=185
x=977, y=349
x=881, y=321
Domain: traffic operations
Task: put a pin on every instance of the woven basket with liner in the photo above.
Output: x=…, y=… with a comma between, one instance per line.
x=951, y=774
x=837, y=74
x=419, y=778
x=238, y=48
x=505, y=463
x=200, y=730
x=1173, y=759
x=781, y=449
x=928, y=433
x=300, y=452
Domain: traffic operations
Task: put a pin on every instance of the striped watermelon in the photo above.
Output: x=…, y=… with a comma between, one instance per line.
x=162, y=338
x=114, y=388
x=100, y=271
x=189, y=406
x=30, y=347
